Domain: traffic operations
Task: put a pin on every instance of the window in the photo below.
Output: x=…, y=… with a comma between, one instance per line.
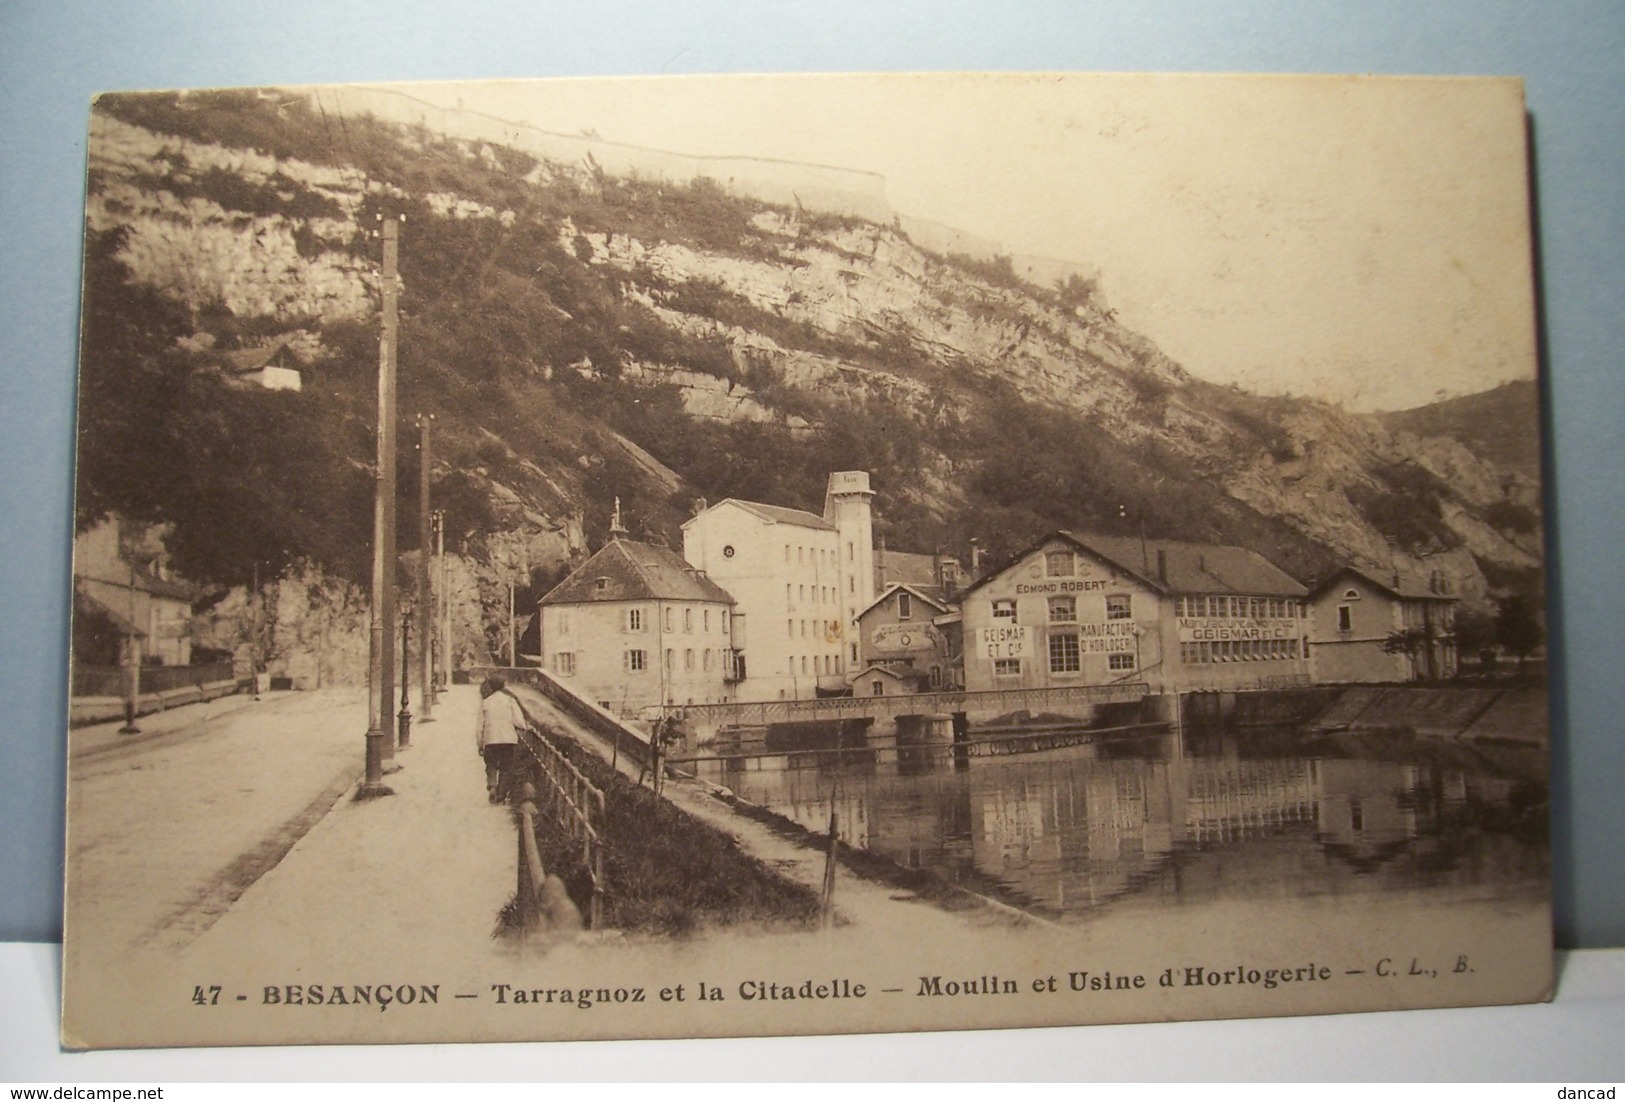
x=1063, y=653
x=789, y=594
x=688, y=660
x=905, y=606
x=790, y=628
x=1058, y=564
x=670, y=658
x=1063, y=610
x=705, y=621
x=1004, y=610
x=1119, y=661
x=936, y=677
x=852, y=584
x=877, y=688
x=800, y=554
x=637, y=660
x=854, y=654
x=804, y=663
x=850, y=553
x=634, y=620
x=562, y=619
x=1345, y=618
x=706, y=659
x=688, y=619
x=564, y=663
x=667, y=618
x=1007, y=667
x=725, y=625
x=1117, y=607
x=804, y=629
x=787, y=552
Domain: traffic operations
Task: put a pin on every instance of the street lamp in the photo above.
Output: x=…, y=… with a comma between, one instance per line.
x=404, y=719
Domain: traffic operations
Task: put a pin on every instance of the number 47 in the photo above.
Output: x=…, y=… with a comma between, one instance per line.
x=209, y=997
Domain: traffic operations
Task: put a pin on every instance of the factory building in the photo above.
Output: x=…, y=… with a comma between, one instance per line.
x=1082, y=609
x=1371, y=627
x=799, y=579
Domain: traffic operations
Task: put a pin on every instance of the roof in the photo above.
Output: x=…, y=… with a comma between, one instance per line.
x=902, y=671
x=907, y=567
x=245, y=360
x=895, y=587
x=85, y=603
x=632, y=571
x=773, y=514
x=1398, y=585
x=1190, y=567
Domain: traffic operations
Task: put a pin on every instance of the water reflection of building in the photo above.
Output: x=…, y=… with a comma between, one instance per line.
x=1075, y=829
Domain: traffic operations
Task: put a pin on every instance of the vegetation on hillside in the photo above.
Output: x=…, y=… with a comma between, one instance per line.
x=517, y=343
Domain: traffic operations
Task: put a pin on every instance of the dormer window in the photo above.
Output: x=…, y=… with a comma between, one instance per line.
x=600, y=585
x=1058, y=564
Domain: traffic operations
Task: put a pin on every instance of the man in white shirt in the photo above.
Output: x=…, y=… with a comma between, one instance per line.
x=497, y=735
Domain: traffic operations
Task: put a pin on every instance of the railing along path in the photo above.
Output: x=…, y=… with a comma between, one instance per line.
x=572, y=803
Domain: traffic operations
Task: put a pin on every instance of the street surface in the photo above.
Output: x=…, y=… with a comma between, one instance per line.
x=167, y=828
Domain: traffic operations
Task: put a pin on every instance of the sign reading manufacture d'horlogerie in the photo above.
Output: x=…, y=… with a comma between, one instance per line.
x=744, y=555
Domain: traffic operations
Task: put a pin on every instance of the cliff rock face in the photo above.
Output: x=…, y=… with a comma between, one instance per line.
x=620, y=318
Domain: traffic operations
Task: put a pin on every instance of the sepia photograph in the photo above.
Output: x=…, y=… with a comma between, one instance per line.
x=762, y=555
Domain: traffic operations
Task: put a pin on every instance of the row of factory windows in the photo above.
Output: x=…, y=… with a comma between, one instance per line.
x=1240, y=650
x=1241, y=608
x=821, y=594
x=1064, y=657
x=829, y=629
x=819, y=555
x=1064, y=610
x=815, y=664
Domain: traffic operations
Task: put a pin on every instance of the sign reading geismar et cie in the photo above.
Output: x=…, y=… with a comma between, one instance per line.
x=1013, y=641
x=1202, y=629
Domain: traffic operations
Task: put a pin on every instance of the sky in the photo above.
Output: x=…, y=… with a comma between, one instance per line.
x=1363, y=240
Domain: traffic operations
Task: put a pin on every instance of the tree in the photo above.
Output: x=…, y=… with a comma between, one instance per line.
x=1517, y=626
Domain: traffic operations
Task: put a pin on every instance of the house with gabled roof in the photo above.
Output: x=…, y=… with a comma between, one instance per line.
x=636, y=628
x=1382, y=626
x=909, y=628
x=1090, y=609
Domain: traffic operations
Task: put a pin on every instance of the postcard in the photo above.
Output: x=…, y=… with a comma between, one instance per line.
x=682, y=557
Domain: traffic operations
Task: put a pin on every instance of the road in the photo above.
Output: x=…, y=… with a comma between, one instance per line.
x=167, y=828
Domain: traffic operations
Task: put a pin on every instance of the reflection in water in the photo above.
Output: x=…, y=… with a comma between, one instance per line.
x=1171, y=819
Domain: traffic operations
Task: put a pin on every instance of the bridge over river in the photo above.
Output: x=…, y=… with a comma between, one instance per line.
x=1074, y=701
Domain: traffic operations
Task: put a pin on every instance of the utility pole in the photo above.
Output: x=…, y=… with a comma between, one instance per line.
x=381, y=638
x=442, y=655
x=512, y=662
x=425, y=615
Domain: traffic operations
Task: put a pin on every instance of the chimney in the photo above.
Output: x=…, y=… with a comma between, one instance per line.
x=975, y=558
x=1162, y=565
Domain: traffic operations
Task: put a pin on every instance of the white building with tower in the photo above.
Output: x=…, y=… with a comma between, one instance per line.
x=799, y=581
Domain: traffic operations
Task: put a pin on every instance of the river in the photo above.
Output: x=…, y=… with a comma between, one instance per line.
x=1177, y=819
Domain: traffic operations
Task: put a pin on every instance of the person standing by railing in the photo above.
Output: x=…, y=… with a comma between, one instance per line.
x=496, y=734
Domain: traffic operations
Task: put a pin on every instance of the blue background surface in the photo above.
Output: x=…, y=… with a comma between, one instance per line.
x=55, y=54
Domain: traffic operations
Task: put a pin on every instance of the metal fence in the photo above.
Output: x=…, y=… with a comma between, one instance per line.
x=110, y=680
x=572, y=804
